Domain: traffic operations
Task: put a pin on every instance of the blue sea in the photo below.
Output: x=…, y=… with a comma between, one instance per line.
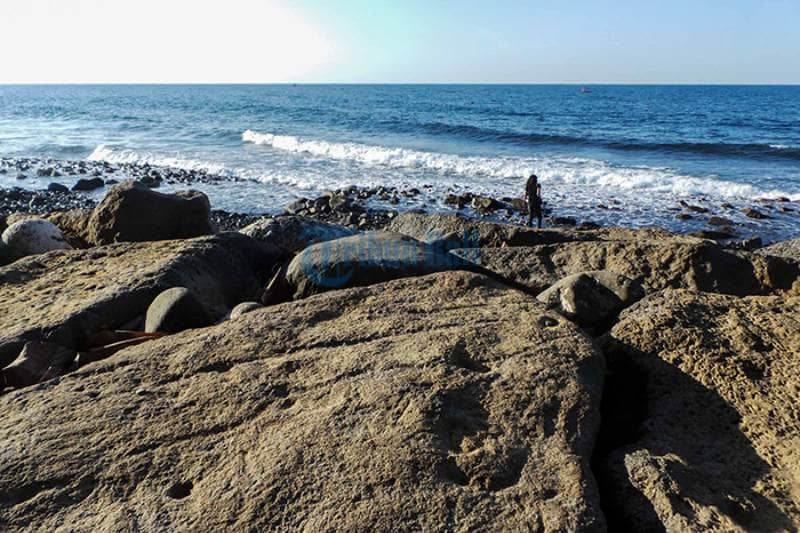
x=623, y=155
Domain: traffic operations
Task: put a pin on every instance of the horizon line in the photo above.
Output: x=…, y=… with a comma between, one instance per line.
x=282, y=83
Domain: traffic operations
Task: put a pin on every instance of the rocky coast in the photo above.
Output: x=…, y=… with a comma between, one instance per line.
x=348, y=366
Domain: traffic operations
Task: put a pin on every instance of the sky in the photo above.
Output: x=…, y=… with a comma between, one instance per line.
x=400, y=41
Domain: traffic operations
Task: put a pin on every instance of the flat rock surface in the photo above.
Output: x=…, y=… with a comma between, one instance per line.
x=478, y=233
x=789, y=249
x=439, y=402
x=655, y=264
x=72, y=294
x=713, y=431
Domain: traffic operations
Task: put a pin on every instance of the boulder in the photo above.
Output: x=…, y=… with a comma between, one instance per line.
x=175, y=310
x=440, y=402
x=132, y=212
x=89, y=184
x=290, y=234
x=244, y=308
x=591, y=298
x=700, y=423
x=58, y=188
x=655, y=264
x=32, y=237
x=70, y=296
x=364, y=259
x=754, y=213
x=788, y=249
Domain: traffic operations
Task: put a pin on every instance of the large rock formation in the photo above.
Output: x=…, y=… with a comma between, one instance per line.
x=132, y=212
x=702, y=417
x=655, y=264
x=440, y=402
x=68, y=296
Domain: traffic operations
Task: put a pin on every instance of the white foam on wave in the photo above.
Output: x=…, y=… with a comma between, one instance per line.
x=571, y=172
x=123, y=156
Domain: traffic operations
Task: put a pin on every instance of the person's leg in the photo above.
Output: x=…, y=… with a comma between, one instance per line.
x=530, y=213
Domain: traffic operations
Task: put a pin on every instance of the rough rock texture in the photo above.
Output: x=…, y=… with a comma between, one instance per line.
x=363, y=259
x=655, y=264
x=790, y=249
x=74, y=224
x=132, y=212
x=591, y=298
x=73, y=294
x=32, y=237
x=174, y=310
x=294, y=233
x=440, y=402
x=478, y=234
x=702, y=429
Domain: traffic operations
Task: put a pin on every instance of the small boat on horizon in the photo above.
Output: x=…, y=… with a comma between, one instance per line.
x=585, y=90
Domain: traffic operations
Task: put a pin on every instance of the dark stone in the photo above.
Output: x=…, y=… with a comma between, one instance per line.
x=57, y=187
x=88, y=184
x=176, y=310
x=754, y=213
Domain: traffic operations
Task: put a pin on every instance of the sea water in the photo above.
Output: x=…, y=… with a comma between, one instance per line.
x=611, y=154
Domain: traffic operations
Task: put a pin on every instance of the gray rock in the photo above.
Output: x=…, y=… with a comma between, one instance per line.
x=89, y=184
x=175, y=310
x=592, y=298
x=294, y=233
x=244, y=308
x=34, y=236
x=132, y=212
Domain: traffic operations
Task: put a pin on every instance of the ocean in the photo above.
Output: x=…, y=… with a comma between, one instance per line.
x=623, y=155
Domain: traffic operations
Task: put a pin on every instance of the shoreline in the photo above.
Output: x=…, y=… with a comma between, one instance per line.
x=367, y=207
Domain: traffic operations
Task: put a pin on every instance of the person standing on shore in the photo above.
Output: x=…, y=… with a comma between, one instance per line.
x=533, y=195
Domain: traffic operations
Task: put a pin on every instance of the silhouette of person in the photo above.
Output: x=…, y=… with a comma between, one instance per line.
x=533, y=195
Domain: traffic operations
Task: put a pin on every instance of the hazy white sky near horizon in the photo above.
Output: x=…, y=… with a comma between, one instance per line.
x=440, y=41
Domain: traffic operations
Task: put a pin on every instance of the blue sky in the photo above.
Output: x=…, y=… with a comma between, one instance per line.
x=473, y=41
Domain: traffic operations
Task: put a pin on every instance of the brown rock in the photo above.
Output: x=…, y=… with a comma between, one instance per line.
x=71, y=295
x=789, y=249
x=430, y=228
x=132, y=212
x=441, y=402
x=704, y=427
x=654, y=264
